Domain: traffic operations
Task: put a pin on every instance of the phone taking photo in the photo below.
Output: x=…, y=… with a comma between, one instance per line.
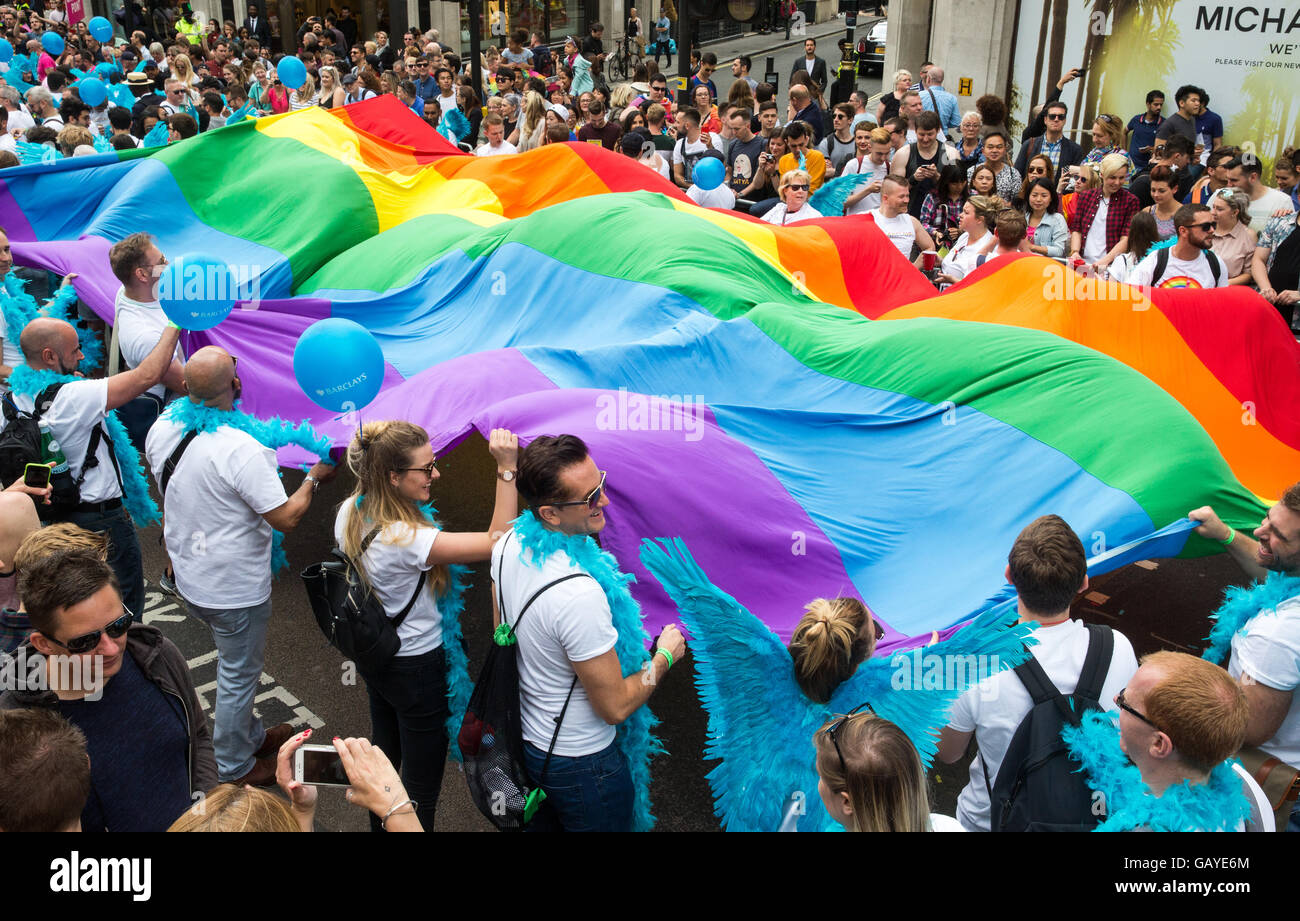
x=319, y=765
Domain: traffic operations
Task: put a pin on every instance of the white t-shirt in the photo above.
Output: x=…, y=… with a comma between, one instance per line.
x=659, y=164
x=1179, y=273
x=487, y=150
x=719, y=197
x=900, y=230
x=140, y=326
x=780, y=215
x=393, y=563
x=79, y=406
x=939, y=822
x=964, y=256
x=218, y=541
x=1094, y=243
x=1269, y=651
x=446, y=103
x=684, y=148
x=995, y=707
x=21, y=120
x=1262, y=209
x=866, y=168
x=570, y=622
x=13, y=355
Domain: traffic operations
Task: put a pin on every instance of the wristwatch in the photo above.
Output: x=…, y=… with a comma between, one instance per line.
x=315, y=483
x=506, y=476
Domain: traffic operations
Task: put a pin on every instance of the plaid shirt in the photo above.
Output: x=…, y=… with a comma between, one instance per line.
x=14, y=629
x=1119, y=214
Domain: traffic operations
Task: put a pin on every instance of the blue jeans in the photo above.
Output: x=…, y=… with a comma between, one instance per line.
x=240, y=635
x=408, y=716
x=123, y=552
x=586, y=793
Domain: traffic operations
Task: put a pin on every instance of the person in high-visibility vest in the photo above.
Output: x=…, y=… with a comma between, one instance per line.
x=187, y=27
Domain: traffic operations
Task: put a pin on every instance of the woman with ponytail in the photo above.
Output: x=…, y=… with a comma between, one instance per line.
x=387, y=527
x=832, y=639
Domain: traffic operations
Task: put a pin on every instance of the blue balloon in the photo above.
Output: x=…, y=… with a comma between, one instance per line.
x=197, y=291
x=292, y=72
x=709, y=173
x=101, y=30
x=92, y=91
x=339, y=364
x=6, y=51
x=53, y=43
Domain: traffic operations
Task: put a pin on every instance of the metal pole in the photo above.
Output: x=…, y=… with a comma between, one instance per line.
x=475, y=42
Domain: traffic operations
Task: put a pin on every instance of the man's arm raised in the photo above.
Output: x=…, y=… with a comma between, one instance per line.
x=125, y=387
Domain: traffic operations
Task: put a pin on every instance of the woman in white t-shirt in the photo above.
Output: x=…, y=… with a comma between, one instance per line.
x=978, y=216
x=394, y=466
x=794, y=205
x=871, y=777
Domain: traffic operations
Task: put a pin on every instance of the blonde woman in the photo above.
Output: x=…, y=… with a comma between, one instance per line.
x=1099, y=234
x=891, y=101
x=871, y=777
x=528, y=133
x=304, y=97
x=794, y=192
x=332, y=94
x=183, y=70
x=383, y=526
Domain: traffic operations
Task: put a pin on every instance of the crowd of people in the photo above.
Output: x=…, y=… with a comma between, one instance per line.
x=134, y=749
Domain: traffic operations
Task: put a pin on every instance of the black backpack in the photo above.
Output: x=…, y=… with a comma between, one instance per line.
x=349, y=612
x=20, y=445
x=1039, y=786
x=491, y=738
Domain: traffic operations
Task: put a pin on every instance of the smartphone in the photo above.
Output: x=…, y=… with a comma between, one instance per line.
x=36, y=476
x=1082, y=71
x=319, y=765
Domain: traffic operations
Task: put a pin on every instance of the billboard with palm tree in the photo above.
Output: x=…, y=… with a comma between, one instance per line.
x=1247, y=57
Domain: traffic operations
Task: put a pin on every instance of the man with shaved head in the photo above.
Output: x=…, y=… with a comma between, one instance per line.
x=222, y=496
x=75, y=411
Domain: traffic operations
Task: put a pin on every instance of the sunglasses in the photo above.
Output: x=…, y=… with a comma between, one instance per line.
x=1055, y=116
x=1204, y=225
x=80, y=645
x=593, y=498
x=1123, y=705
x=427, y=469
x=797, y=188
x=834, y=728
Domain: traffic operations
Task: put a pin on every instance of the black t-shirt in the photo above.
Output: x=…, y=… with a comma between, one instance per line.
x=922, y=187
x=592, y=45
x=1176, y=124
x=743, y=160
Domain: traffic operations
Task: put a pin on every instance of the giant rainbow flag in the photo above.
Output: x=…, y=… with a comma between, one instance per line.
x=795, y=402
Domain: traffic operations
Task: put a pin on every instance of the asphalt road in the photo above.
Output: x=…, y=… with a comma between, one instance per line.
x=1157, y=605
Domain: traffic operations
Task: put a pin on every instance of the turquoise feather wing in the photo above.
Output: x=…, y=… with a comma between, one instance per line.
x=760, y=723
x=916, y=689
x=829, y=200
x=157, y=136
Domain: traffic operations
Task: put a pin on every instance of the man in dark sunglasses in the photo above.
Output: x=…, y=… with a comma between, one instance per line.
x=1063, y=152
x=1189, y=263
x=124, y=685
x=572, y=690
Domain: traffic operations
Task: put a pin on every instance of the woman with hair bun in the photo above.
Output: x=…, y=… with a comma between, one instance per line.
x=870, y=777
x=386, y=527
x=766, y=700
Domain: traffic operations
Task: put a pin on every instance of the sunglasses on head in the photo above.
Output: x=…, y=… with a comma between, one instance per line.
x=79, y=645
x=834, y=728
x=593, y=498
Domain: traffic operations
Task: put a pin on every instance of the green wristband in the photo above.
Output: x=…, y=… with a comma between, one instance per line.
x=1232, y=535
x=667, y=655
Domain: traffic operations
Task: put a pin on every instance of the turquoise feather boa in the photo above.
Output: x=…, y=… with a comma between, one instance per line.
x=635, y=739
x=1217, y=805
x=135, y=487
x=451, y=604
x=20, y=308
x=1240, y=605
x=273, y=433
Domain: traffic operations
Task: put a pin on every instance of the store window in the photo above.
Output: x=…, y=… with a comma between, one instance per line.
x=555, y=19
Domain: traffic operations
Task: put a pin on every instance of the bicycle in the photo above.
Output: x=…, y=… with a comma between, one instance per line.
x=619, y=64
